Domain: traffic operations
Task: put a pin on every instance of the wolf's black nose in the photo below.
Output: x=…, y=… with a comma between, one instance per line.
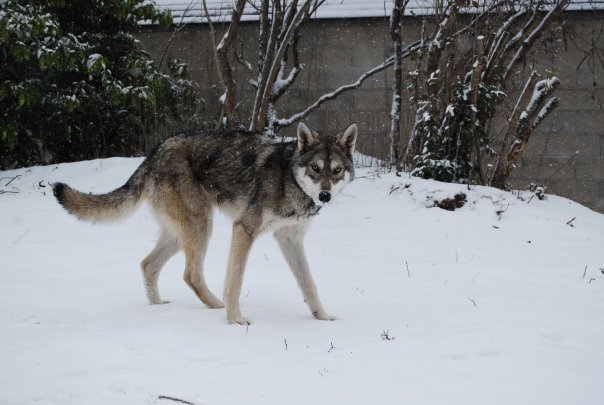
x=324, y=196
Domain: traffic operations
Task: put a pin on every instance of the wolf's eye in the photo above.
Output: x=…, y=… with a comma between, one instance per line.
x=337, y=169
x=314, y=167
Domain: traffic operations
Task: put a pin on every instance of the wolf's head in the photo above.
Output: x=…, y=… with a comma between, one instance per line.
x=323, y=163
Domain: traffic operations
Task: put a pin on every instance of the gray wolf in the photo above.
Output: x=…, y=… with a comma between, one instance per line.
x=261, y=184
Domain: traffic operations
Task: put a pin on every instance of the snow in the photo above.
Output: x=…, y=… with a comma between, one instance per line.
x=191, y=11
x=547, y=108
x=498, y=302
x=543, y=86
x=396, y=105
x=93, y=59
x=281, y=82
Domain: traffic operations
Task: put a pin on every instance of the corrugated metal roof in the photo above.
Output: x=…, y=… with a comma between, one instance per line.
x=192, y=11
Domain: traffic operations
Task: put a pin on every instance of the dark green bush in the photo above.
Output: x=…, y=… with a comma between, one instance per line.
x=74, y=85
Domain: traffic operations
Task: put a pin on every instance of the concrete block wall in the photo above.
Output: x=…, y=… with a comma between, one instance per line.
x=577, y=125
x=337, y=52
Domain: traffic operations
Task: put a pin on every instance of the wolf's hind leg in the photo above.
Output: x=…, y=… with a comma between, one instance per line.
x=291, y=242
x=165, y=248
x=195, y=236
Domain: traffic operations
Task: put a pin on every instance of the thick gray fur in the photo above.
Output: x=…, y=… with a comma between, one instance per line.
x=262, y=185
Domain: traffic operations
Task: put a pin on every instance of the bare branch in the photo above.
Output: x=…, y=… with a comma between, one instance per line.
x=169, y=398
x=283, y=81
x=551, y=104
x=498, y=178
x=213, y=39
x=239, y=58
x=435, y=48
x=501, y=36
x=396, y=20
x=527, y=43
x=332, y=95
x=264, y=33
x=522, y=138
x=476, y=74
x=535, y=109
x=178, y=28
x=276, y=65
x=534, y=12
x=267, y=54
x=408, y=50
x=315, y=6
x=543, y=88
x=222, y=50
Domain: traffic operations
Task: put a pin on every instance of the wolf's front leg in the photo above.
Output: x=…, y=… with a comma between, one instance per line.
x=291, y=241
x=240, y=249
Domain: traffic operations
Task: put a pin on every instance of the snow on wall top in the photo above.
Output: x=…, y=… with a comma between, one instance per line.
x=191, y=11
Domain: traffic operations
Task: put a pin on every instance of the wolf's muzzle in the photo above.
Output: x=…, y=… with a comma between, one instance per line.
x=324, y=196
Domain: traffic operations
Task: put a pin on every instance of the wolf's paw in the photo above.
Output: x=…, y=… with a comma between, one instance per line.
x=323, y=316
x=238, y=320
x=215, y=304
x=159, y=302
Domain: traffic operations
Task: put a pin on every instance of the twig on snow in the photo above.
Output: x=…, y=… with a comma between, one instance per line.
x=11, y=179
x=500, y=212
x=386, y=336
x=22, y=236
x=182, y=401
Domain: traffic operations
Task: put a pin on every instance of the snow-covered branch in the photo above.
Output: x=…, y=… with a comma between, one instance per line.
x=396, y=21
x=283, y=122
x=551, y=104
x=500, y=38
x=456, y=89
x=530, y=110
x=530, y=39
x=266, y=91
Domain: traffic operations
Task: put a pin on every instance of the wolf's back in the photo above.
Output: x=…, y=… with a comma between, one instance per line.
x=103, y=207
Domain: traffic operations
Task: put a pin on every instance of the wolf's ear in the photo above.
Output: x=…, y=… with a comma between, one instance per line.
x=348, y=139
x=306, y=137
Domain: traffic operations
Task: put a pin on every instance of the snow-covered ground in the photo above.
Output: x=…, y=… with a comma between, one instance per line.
x=499, y=302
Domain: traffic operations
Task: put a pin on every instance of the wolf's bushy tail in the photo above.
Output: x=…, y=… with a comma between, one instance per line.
x=103, y=207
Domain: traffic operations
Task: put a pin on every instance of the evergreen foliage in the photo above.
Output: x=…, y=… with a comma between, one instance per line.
x=74, y=85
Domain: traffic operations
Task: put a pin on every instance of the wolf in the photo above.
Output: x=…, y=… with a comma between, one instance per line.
x=262, y=185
